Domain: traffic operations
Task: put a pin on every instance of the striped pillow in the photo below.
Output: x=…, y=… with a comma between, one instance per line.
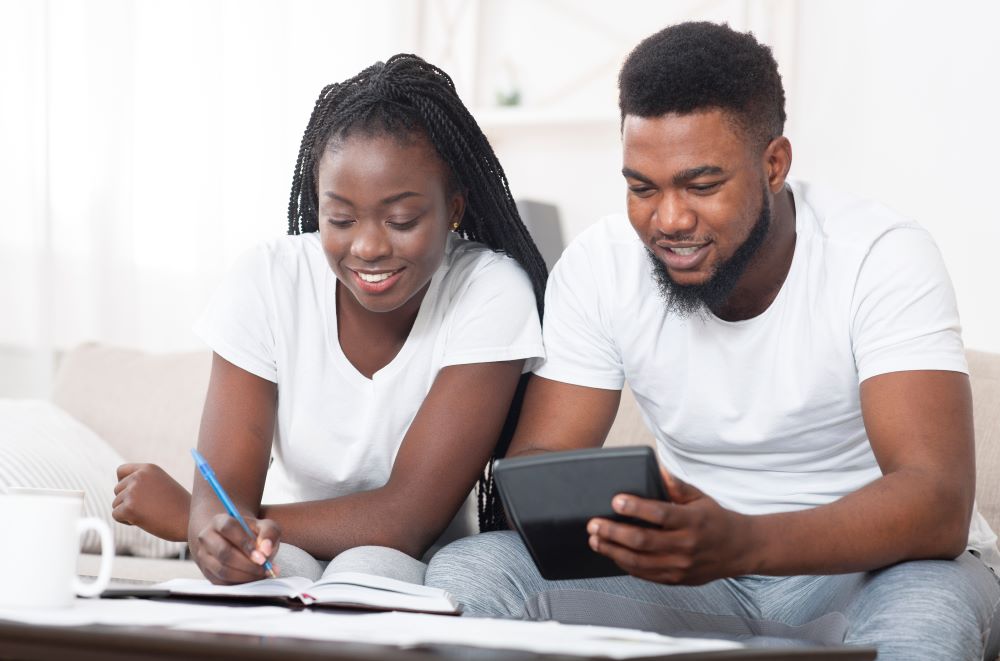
x=43, y=447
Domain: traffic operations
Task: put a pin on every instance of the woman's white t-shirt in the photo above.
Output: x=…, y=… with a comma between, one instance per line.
x=337, y=432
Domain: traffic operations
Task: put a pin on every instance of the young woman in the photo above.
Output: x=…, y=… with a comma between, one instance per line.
x=366, y=363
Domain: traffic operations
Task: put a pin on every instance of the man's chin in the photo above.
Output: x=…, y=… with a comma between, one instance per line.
x=687, y=293
x=685, y=279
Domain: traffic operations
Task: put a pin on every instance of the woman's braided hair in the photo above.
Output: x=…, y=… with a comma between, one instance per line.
x=400, y=97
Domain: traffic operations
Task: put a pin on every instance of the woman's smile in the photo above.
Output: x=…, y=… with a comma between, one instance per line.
x=376, y=282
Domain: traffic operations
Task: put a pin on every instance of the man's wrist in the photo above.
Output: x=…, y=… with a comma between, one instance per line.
x=755, y=545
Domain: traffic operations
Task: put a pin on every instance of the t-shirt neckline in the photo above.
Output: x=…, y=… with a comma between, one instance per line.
x=409, y=346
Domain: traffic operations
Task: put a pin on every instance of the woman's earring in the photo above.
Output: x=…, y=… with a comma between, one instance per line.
x=454, y=226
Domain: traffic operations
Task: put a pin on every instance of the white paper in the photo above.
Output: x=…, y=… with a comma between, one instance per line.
x=394, y=628
x=418, y=629
x=136, y=612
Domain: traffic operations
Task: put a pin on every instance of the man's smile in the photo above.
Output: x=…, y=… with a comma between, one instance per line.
x=682, y=256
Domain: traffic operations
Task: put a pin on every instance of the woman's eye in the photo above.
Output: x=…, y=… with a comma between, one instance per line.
x=402, y=223
x=341, y=222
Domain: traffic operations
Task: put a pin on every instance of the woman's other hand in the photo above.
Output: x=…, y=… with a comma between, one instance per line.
x=147, y=497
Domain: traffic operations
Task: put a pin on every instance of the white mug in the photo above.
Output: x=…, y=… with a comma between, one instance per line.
x=42, y=540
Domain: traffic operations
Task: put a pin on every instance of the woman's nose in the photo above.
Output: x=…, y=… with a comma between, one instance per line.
x=371, y=242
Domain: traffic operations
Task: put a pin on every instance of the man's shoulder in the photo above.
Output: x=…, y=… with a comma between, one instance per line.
x=844, y=219
x=613, y=228
x=609, y=241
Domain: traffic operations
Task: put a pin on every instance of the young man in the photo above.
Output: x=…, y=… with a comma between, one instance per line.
x=797, y=354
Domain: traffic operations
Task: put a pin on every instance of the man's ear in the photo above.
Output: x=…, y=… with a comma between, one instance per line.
x=777, y=162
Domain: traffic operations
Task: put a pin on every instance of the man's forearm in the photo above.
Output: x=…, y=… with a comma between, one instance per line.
x=901, y=516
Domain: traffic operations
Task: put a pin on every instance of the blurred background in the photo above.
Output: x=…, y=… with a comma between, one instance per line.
x=144, y=144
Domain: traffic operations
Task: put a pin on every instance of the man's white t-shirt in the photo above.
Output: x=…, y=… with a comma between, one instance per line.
x=764, y=414
x=337, y=432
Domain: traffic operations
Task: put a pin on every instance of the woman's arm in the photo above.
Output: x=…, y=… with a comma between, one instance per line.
x=441, y=457
x=237, y=428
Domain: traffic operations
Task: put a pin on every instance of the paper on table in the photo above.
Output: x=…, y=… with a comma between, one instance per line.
x=134, y=612
x=398, y=629
x=414, y=629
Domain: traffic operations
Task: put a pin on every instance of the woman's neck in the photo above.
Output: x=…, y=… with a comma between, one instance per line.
x=370, y=340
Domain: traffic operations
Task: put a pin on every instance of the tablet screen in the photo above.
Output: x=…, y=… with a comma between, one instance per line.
x=550, y=498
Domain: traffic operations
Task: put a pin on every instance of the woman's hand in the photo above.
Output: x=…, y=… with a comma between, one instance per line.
x=227, y=555
x=693, y=540
x=147, y=497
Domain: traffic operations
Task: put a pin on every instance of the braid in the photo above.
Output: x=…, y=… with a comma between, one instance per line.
x=406, y=95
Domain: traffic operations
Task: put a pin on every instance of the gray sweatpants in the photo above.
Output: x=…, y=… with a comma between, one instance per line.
x=379, y=560
x=929, y=609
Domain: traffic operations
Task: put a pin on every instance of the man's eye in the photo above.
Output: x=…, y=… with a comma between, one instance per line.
x=640, y=191
x=705, y=188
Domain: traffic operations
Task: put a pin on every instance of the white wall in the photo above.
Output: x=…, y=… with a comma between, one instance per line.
x=900, y=101
x=894, y=100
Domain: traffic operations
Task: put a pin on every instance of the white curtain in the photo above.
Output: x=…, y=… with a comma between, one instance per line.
x=144, y=145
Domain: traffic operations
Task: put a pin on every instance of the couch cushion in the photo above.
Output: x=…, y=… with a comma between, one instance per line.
x=984, y=370
x=139, y=570
x=147, y=406
x=42, y=446
x=629, y=428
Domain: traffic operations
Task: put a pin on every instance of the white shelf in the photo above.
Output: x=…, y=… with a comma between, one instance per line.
x=491, y=119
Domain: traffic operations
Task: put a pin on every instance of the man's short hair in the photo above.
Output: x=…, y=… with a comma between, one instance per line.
x=703, y=66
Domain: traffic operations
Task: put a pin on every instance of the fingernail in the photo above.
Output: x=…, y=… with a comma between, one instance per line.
x=258, y=557
x=593, y=542
x=265, y=547
x=620, y=504
x=593, y=528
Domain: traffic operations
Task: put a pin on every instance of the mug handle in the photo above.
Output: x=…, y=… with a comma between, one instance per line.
x=96, y=587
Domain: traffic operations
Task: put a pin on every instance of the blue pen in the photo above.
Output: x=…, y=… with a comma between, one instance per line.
x=209, y=475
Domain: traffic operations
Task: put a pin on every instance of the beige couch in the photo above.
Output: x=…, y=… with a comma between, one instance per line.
x=148, y=407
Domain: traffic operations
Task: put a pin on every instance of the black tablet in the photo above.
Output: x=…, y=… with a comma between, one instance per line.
x=549, y=499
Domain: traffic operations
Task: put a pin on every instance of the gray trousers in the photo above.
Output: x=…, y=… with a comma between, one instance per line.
x=928, y=609
x=379, y=560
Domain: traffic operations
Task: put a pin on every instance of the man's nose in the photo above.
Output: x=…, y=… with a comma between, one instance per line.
x=673, y=217
x=371, y=242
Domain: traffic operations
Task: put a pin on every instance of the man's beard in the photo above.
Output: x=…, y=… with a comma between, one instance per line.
x=686, y=300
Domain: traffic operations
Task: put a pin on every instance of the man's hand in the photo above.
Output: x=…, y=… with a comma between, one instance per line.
x=147, y=497
x=693, y=540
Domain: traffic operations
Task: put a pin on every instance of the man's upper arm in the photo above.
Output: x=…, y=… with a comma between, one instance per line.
x=572, y=399
x=920, y=422
x=562, y=416
x=915, y=396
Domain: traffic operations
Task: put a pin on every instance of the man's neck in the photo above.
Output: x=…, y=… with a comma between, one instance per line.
x=765, y=275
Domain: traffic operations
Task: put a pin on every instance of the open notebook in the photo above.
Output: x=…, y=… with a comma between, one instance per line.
x=366, y=577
